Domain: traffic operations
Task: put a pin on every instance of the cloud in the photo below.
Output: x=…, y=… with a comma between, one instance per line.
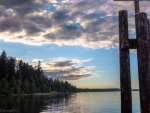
x=90, y=23
x=66, y=69
x=60, y=15
x=10, y=3
x=37, y=60
x=74, y=77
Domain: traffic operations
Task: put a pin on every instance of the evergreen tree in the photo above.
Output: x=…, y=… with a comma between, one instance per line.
x=3, y=65
x=11, y=64
x=4, y=87
x=25, y=86
x=32, y=85
x=16, y=78
x=18, y=86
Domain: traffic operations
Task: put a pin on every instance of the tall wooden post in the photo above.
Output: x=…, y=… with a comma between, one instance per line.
x=143, y=61
x=125, y=79
x=149, y=36
x=136, y=4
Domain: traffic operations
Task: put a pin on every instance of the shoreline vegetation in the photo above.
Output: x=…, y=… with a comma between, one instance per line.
x=18, y=77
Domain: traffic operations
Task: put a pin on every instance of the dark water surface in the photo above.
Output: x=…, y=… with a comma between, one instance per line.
x=90, y=102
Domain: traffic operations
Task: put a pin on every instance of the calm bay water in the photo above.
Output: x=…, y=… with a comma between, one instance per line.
x=89, y=102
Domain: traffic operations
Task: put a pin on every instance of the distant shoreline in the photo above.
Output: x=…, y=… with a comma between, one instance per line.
x=79, y=91
x=102, y=90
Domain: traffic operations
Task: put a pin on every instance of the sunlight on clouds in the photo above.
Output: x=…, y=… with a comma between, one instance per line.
x=90, y=23
x=24, y=60
x=67, y=69
x=37, y=60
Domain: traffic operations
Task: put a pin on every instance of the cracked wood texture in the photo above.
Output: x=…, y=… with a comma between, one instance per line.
x=143, y=60
x=125, y=78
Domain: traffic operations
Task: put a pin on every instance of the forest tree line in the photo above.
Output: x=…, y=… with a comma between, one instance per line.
x=18, y=77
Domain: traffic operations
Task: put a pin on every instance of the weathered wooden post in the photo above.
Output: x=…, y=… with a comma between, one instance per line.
x=149, y=38
x=125, y=79
x=142, y=44
x=143, y=61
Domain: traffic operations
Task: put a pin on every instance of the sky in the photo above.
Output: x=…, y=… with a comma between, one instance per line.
x=75, y=40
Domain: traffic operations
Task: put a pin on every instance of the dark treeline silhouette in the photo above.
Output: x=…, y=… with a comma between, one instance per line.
x=18, y=77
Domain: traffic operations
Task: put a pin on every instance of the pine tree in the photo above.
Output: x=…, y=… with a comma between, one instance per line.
x=4, y=87
x=23, y=78
x=3, y=65
x=11, y=64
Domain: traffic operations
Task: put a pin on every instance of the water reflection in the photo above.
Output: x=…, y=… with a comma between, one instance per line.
x=33, y=104
x=92, y=102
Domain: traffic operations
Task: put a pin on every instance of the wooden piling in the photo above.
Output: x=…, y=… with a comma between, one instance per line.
x=149, y=36
x=149, y=65
x=143, y=60
x=125, y=79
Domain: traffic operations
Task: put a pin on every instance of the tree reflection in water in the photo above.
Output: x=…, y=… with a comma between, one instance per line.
x=34, y=103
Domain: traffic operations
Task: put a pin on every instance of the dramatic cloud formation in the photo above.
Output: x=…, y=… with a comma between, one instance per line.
x=66, y=69
x=86, y=23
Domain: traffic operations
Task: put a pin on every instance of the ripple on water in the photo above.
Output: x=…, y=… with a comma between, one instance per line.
x=90, y=102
